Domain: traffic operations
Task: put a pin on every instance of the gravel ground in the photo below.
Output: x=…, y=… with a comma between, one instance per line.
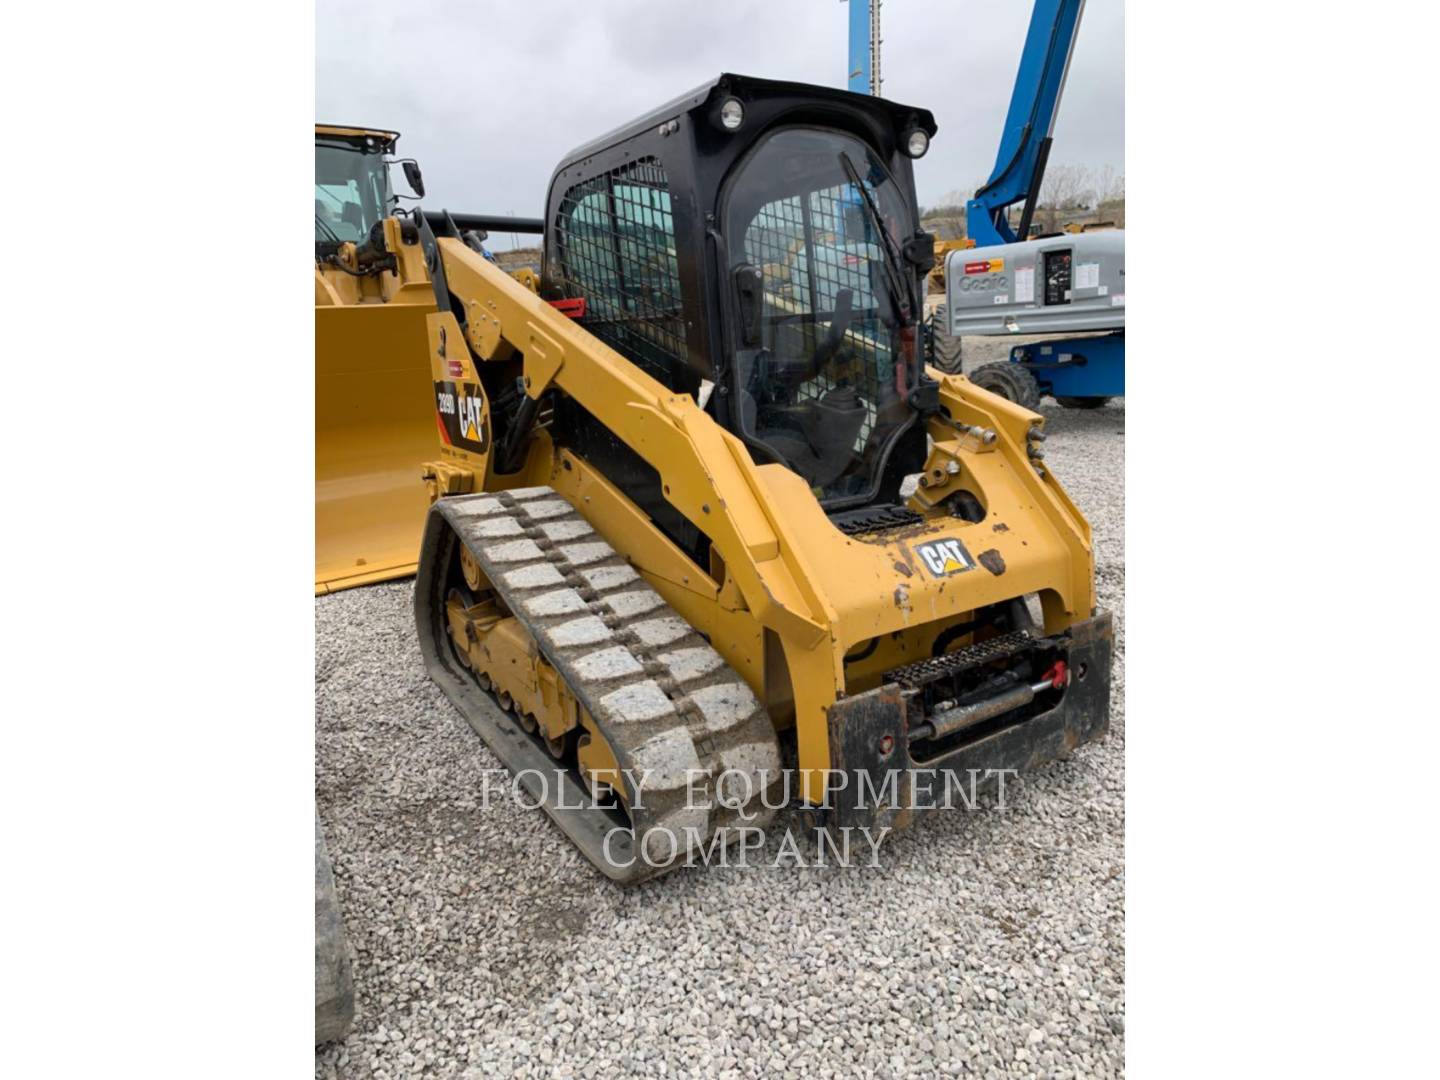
x=987, y=942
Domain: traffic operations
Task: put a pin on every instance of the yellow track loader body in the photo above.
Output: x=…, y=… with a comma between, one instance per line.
x=374, y=420
x=705, y=511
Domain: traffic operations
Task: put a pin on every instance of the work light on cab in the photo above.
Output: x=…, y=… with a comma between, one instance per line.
x=732, y=114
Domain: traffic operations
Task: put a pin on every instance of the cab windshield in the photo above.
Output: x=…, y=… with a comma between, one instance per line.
x=824, y=379
x=352, y=191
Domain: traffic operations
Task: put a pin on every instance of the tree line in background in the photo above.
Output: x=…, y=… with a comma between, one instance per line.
x=1069, y=194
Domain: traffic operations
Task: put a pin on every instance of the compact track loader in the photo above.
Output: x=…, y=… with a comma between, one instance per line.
x=710, y=538
x=374, y=426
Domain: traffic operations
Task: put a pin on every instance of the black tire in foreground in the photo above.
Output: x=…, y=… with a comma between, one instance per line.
x=334, y=981
x=1083, y=402
x=1011, y=381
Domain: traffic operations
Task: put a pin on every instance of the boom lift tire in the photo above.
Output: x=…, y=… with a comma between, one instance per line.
x=946, y=346
x=694, y=749
x=1010, y=380
x=1083, y=402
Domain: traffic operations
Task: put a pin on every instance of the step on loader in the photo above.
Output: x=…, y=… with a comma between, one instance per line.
x=710, y=539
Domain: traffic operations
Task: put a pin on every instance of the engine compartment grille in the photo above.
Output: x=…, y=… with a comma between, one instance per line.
x=869, y=519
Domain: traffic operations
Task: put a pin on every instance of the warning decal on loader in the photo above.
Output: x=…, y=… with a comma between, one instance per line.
x=945, y=557
x=460, y=409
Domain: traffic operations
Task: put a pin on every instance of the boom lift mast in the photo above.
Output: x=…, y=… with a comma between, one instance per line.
x=1025, y=140
x=1008, y=283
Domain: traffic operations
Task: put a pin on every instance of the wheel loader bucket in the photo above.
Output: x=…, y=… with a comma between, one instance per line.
x=374, y=426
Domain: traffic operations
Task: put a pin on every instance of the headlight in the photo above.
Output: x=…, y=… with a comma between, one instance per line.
x=732, y=114
x=917, y=143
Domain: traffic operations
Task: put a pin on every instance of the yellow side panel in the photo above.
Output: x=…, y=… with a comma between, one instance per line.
x=374, y=426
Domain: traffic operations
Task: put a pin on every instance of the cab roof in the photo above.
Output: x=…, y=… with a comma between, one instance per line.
x=387, y=139
x=749, y=86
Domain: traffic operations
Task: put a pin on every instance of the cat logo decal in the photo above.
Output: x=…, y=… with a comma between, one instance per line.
x=945, y=557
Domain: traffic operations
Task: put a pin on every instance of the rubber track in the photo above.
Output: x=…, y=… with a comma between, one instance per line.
x=676, y=715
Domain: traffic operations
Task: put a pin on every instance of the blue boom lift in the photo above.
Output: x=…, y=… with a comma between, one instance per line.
x=1080, y=281
x=1080, y=372
x=1025, y=139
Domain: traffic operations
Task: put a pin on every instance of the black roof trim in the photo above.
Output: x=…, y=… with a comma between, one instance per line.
x=741, y=85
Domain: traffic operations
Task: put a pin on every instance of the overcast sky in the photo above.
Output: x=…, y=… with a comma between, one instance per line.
x=489, y=96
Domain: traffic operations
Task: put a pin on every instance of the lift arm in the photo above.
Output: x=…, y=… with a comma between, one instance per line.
x=1025, y=140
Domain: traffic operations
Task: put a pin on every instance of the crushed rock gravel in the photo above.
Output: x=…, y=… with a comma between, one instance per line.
x=986, y=942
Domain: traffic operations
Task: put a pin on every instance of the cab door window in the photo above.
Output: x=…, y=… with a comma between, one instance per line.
x=825, y=385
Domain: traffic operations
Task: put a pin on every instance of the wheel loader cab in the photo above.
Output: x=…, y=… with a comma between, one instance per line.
x=746, y=244
x=352, y=183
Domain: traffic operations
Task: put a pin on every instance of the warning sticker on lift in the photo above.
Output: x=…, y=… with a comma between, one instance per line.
x=460, y=411
x=945, y=557
x=985, y=266
x=1025, y=284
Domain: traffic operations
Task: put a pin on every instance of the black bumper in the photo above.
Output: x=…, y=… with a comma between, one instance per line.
x=877, y=783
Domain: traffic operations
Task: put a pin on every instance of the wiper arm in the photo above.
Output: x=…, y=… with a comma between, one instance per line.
x=896, y=282
x=329, y=232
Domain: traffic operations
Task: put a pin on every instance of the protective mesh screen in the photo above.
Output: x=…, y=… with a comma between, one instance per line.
x=616, y=248
x=807, y=257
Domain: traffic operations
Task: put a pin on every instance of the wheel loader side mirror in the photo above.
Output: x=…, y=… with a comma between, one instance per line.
x=413, y=177
x=750, y=302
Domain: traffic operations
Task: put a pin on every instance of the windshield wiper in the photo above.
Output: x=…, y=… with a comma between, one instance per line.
x=330, y=234
x=896, y=283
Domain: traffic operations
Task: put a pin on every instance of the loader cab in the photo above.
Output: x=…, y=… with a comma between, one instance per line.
x=756, y=244
x=352, y=183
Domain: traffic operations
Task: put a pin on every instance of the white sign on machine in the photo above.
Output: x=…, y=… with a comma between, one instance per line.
x=1025, y=285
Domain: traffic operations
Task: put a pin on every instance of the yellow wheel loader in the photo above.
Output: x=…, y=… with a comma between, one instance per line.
x=710, y=538
x=943, y=249
x=374, y=426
